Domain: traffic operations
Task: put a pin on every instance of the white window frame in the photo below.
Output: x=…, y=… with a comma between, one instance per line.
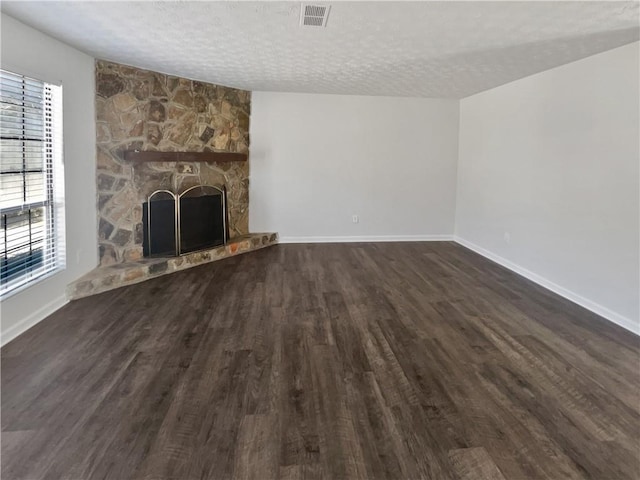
x=52, y=242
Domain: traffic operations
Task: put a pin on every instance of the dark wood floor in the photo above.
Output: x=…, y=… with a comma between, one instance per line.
x=412, y=360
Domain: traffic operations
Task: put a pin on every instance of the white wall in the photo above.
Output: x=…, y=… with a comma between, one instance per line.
x=29, y=52
x=553, y=161
x=316, y=160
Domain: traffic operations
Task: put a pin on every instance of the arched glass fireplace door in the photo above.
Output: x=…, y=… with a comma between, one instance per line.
x=178, y=224
x=201, y=218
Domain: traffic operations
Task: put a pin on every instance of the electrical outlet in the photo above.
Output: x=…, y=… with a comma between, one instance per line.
x=355, y=219
x=507, y=237
x=78, y=255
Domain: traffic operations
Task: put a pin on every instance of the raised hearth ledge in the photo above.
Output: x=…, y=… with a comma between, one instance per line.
x=119, y=275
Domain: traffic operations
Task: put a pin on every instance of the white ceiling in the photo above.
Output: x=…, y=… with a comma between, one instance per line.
x=417, y=49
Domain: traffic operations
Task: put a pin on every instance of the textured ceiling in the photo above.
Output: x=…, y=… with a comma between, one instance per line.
x=418, y=49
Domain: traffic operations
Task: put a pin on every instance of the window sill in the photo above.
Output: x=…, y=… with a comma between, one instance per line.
x=32, y=282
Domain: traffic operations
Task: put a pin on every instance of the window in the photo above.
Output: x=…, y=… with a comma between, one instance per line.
x=31, y=181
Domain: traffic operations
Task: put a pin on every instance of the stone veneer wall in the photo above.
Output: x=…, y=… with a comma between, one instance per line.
x=143, y=110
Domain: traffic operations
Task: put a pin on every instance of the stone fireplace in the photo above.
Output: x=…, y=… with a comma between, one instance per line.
x=158, y=132
x=143, y=111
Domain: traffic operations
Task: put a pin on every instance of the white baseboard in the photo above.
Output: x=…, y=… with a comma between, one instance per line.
x=596, y=308
x=28, y=322
x=368, y=238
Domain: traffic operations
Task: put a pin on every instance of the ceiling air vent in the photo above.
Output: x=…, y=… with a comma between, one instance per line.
x=314, y=15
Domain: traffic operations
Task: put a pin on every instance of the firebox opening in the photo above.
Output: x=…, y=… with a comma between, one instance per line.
x=178, y=224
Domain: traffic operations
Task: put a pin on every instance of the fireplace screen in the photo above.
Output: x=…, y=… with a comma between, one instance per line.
x=179, y=224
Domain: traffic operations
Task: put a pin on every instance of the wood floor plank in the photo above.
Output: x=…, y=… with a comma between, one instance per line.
x=339, y=448
x=474, y=464
x=351, y=361
x=257, y=448
x=300, y=436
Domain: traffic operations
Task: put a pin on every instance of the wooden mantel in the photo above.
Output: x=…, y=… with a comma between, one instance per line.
x=151, y=156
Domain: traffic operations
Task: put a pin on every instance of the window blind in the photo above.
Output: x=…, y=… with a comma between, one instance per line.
x=31, y=180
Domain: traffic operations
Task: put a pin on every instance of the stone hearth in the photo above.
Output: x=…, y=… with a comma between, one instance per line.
x=118, y=275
